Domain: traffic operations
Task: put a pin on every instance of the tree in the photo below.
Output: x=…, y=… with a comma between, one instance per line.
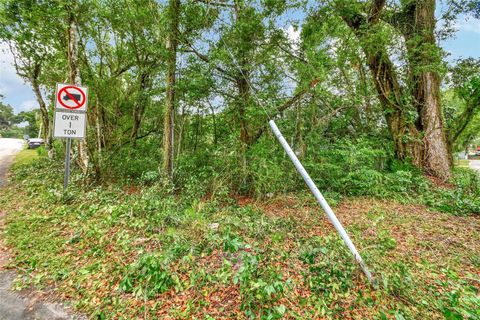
x=170, y=81
x=31, y=118
x=31, y=46
x=424, y=139
x=249, y=69
x=417, y=22
x=6, y=116
x=73, y=58
x=463, y=102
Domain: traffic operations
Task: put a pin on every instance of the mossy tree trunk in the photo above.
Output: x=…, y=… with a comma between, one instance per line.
x=423, y=141
x=424, y=63
x=168, y=128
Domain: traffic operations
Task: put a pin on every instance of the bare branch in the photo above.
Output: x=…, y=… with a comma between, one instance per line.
x=218, y=4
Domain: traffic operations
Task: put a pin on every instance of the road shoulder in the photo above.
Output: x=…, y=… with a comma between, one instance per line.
x=30, y=303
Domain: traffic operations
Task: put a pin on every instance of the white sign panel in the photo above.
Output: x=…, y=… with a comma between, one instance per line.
x=70, y=97
x=69, y=125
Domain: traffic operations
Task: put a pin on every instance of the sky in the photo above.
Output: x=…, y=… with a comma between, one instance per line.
x=17, y=93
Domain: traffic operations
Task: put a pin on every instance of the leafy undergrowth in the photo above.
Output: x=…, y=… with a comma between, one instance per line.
x=129, y=253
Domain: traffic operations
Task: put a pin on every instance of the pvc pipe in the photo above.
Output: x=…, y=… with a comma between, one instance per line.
x=321, y=200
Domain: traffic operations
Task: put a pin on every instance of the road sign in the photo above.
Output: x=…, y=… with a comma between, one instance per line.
x=71, y=97
x=70, y=111
x=69, y=124
x=70, y=118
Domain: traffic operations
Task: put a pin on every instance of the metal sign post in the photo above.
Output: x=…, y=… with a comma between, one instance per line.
x=70, y=120
x=321, y=200
x=67, y=164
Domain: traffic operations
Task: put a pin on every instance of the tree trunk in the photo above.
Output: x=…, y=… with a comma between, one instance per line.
x=383, y=75
x=423, y=60
x=427, y=144
x=43, y=110
x=245, y=139
x=99, y=130
x=139, y=108
x=244, y=93
x=390, y=96
x=74, y=76
x=168, y=128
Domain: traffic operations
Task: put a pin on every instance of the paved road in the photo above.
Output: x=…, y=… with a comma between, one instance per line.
x=8, y=149
x=28, y=304
x=475, y=164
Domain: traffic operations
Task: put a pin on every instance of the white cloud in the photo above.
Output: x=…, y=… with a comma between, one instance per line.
x=470, y=25
x=8, y=76
x=293, y=33
x=28, y=105
x=16, y=92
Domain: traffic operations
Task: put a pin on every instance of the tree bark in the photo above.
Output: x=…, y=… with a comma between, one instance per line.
x=383, y=75
x=139, y=107
x=244, y=95
x=74, y=76
x=419, y=28
x=43, y=108
x=425, y=142
x=168, y=128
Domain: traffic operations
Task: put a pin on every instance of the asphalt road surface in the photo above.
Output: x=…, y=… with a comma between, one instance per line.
x=8, y=149
x=475, y=164
x=28, y=304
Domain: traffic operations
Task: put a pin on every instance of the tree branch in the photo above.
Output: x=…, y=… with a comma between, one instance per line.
x=284, y=107
x=207, y=60
x=218, y=4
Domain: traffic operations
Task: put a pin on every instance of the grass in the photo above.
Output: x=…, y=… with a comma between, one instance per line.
x=25, y=156
x=462, y=163
x=128, y=253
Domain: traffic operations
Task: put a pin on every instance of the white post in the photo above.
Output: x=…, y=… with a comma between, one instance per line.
x=321, y=200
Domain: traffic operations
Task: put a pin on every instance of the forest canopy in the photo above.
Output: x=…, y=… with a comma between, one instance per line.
x=181, y=203
x=190, y=85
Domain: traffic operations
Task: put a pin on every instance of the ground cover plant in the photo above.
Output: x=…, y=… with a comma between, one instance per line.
x=140, y=251
x=182, y=204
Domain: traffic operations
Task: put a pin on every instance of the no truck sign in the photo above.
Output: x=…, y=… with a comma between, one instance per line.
x=71, y=97
x=70, y=111
x=70, y=119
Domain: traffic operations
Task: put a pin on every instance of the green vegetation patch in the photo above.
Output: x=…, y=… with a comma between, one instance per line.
x=26, y=156
x=131, y=252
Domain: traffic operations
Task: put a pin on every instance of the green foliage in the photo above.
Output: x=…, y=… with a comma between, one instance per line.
x=6, y=116
x=9, y=122
x=462, y=199
x=260, y=287
x=360, y=167
x=148, y=276
x=132, y=164
x=126, y=243
x=330, y=267
x=139, y=245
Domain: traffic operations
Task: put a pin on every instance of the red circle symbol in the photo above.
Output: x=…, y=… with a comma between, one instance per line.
x=71, y=96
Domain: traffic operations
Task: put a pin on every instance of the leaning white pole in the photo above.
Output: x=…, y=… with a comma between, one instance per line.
x=321, y=200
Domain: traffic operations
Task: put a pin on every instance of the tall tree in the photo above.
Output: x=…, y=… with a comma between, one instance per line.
x=170, y=81
x=425, y=141
x=417, y=22
x=6, y=116
x=74, y=77
x=463, y=100
x=31, y=46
